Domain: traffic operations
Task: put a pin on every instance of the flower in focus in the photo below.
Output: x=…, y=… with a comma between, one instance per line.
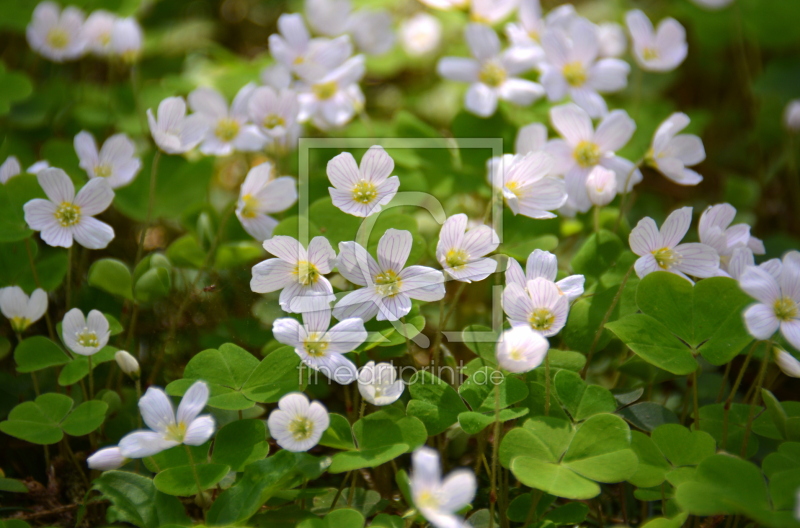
x=173, y=131
x=521, y=349
x=260, y=195
x=527, y=183
x=321, y=348
x=791, y=116
x=65, y=216
x=583, y=148
x=115, y=162
x=107, y=459
x=228, y=128
x=571, y=67
x=492, y=73
x=671, y=153
x=388, y=285
x=333, y=100
x=361, y=191
x=601, y=185
x=21, y=310
x=661, y=250
x=778, y=300
x=97, y=31
x=660, y=50
x=420, y=34
x=439, y=499
x=126, y=39
x=168, y=429
x=787, y=363
x=297, y=272
x=460, y=251
x=9, y=169
x=297, y=424
x=612, y=39
x=715, y=230
x=541, y=306
x=543, y=264
x=378, y=383
x=127, y=363
x=56, y=34
x=85, y=336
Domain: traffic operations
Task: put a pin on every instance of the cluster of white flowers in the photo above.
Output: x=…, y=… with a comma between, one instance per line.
x=69, y=35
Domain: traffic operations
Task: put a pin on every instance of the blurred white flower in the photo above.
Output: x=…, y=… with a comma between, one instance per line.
x=262, y=194
x=38, y=167
x=65, y=216
x=439, y=499
x=126, y=39
x=601, y=184
x=97, y=31
x=371, y=29
x=378, y=383
x=571, y=67
x=660, y=50
x=127, y=363
x=445, y=5
x=421, y=34
x=276, y=76
x=612, y=39
x=274, y=111
x=583, y=148
x=322, y=348
x=671, y=153
x=172, y=130
x=712, y=4
x=85, y=336
x=297, y=424
x=527, y=183
x=9, y=169
x=791, y=116
x=543, y=264
x=492, y=73
x=332, y=100
x=228, y=129
x=715, y=230
x=787, y=363
x=661, y=250
x=521, y=349
x=362, y=191
x=461, y=251
x=531, y=138
x=311, y=59
x=21, y=310
x=56, y=34
x=115, y=162
x=168, y=429
x=540, y=306
x=388, y=285
x=297, y=272
x=107, y=459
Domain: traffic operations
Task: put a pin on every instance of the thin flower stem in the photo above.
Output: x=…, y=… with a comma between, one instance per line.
x=495, y=451
x=150, y=202
x=625, y=193
x=756, y=397
x=339, y=491
x=91, y=378
x=74, y=460
x=547, y=385
x=727, y=373
x=729, y=400
x=138, y=384
x=536, y=496
x=437, y=342
x=69, y=279
x=596, y=218
x=196, y=477
x=35, y=273
x=695, y=399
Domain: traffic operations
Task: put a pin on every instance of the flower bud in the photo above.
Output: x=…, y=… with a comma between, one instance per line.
x=601, y=186
x=420, y=34
x=787, y=363
x=107, y=459
x=791, y=116
x=127, y=364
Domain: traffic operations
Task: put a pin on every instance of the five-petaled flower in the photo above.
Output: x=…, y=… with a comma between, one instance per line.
x=85, y=335
x=115, y=162
x=461, y=251
x=439, y=499
x=21, y=310
x=672, y=153
x=173, y=131
x=297, y=424
x=378, y=383
x=527, y=183
x=228, y=129
x=521, y=349
x=545, y=265
x=663, y=49
x=261, y=194
x=362, y=191
x=540, y=305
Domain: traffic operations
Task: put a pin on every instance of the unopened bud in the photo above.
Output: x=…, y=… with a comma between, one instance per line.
x=127, y=364
x=601, y=186
x=787, y=363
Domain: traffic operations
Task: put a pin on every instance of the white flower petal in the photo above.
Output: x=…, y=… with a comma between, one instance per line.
x=57, y=185
x=393, y=249
x=193, y=401
x=199, y=431
x=91, y=233
x=142, y=444
x=156, y=409
x=572, y=122
x=760, y=285
x=761, y=321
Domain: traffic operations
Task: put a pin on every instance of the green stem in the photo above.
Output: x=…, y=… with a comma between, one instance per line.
x=596, y=218
x=625, y=193
x=724, y=380
x=150, y=201
x=495, y=451
x=547, y=385
x=35, y=273
x=729, y=400
x=695, y=399
x=196, y=478
x=756, y=397
x=69, y=278
x=339, y=491
x=91, y=378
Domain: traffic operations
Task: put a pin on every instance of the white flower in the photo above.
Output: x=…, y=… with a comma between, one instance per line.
x=531, y=138
x=21, y=310
x=107, y=459
x=659, y=50
x=311, y=59
x=388, y=286
x=228, y=128
x=115, y=162
x=97, y=32
x=333, y=100
x=741, y=258
x=320, y=348
x=601, y=185
x=38, y=167
x=168, y=429
x=712, y=4
x=85, y=336
x=791, y=116
x=787, y=363
x=491, y=11
x=65, y=216
x=362, y=191
x=715, y=230
x=172, y=130
x=126, y=40
x=277, y=76
x=127, y=363
x=662, y=250
x=527, y=183
x=436, y=499
x=526, y=36
x=521, y=349
x=378, y=383
x=9, y=169
x=543, y=264
x=297, y=424
x=492, y=73
x=612, y=39
x=445, y=5
x=541, y=306
x=671, y=153
x=461, y=251
x=56, y=34
x=372, y=30
x=779, y=300
x=274, y=111
x=583, y=148
x=298, y=272
x=571, y=67
x=260, y=195
x=420, y=34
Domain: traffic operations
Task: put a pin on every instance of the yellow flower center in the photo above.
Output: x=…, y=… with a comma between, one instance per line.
x=19, y=324
x=492, y=74
x=426, y=499
x=456, y=258
x=301, y=428
x=388, y=283
x=534, y=35
x=365, y=192
x=87, y=339
x=650, y=53
x=68, y=214
x=227, y=129
x=666, y=258
x=307, y=273
x=325, y=90
x=575, y=74
x=298, y=60
x=515, y=354
x=176, y=432
x=104, y=38
x=786, y=309
x=513, y=186
x=57, y=38
x=249, y=206
x=587, y=154
x=314, y=346
x=542, y=319
x=272, y=121
x=103, y=171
